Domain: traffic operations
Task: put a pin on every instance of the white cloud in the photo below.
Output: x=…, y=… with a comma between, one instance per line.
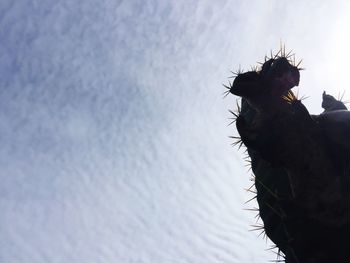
x=114, y=141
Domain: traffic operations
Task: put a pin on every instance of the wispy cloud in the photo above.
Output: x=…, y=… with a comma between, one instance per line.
x=113, y=129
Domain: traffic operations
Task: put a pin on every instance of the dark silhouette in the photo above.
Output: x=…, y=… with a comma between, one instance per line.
x=301, y=162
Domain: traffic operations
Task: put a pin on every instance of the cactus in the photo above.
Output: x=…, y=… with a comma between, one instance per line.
x=301, y=162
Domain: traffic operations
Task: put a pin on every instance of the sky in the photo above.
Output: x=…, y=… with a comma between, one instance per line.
x=114, y=131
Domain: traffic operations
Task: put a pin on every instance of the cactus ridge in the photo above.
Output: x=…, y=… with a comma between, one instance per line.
x=300, y=162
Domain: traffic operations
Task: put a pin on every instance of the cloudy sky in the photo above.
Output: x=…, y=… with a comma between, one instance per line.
x=114, y=137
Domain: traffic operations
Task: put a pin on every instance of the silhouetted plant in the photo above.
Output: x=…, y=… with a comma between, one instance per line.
x=301, y=162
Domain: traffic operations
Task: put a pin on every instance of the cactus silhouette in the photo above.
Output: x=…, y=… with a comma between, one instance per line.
x=301, y=162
